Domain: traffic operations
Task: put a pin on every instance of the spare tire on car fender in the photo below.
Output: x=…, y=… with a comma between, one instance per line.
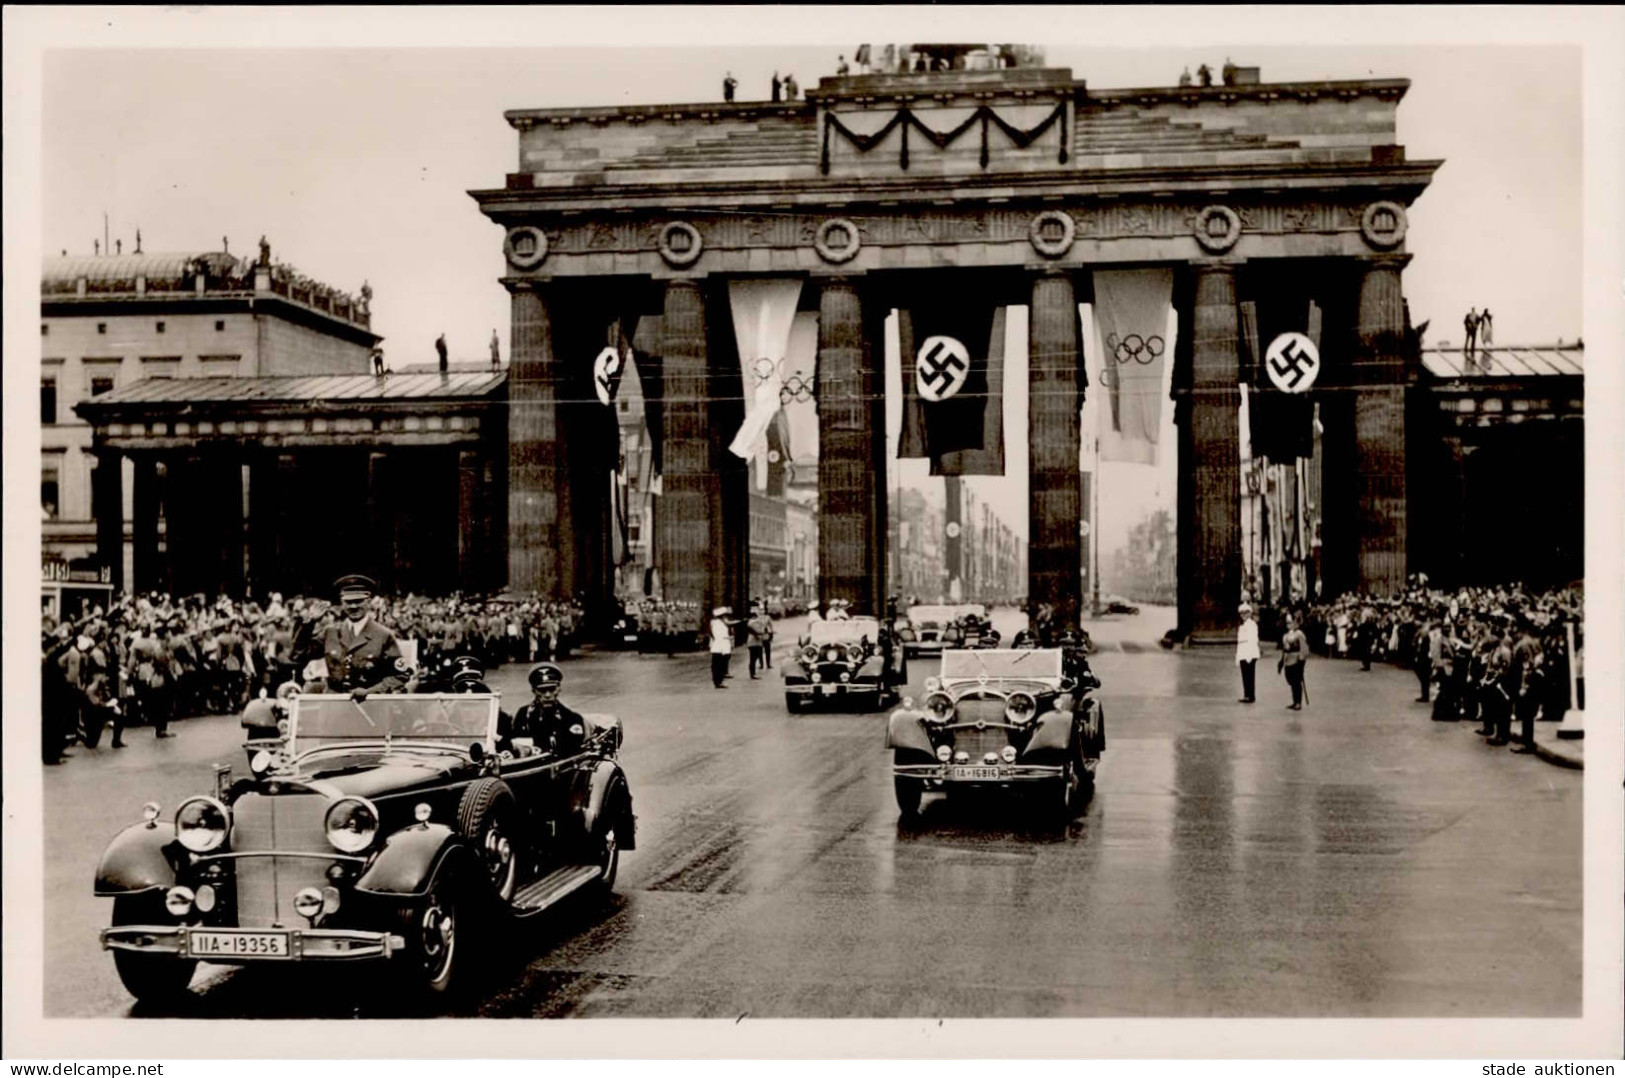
x=487, y=816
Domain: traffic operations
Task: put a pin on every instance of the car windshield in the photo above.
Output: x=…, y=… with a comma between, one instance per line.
x=453, y=720
x=843, y=632
x=918, y=614
x=1037, y=664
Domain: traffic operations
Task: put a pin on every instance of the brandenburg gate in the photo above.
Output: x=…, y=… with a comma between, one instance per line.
x=897, y=191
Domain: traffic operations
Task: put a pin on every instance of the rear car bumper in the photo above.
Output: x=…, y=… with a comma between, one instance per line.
x=303, y=945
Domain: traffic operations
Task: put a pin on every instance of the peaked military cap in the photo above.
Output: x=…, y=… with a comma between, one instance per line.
x=355, y=584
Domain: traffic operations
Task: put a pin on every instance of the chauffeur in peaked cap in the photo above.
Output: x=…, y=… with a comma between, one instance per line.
x=362, y=656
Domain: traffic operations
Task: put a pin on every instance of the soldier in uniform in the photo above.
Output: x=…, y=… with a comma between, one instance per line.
x=361, y=655
x=547, y=722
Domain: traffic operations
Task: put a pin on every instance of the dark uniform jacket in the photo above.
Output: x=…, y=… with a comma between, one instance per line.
x=547, y=725
x=368, y=660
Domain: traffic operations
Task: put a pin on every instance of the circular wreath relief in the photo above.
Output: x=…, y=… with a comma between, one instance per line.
x=525, y=246
x=837, y=240
x=1052, y=232
x=1383, y=224
x=680, y=243
x=1217, y=228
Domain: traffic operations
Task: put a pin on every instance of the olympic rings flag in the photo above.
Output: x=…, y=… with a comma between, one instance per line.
x=763, y=312
x=1131, y=316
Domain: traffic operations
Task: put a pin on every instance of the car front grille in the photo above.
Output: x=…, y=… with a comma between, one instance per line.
x=261, y=824
x=978, y=743
x=833, y=671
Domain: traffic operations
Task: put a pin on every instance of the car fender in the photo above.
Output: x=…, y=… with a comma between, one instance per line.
x=904, y=731
x=1092, y=726
x=1052, y=737
x=601, y=788
x=137, y=860
x=409, y=859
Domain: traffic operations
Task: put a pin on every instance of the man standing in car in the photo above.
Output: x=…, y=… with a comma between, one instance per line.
x=362, y=656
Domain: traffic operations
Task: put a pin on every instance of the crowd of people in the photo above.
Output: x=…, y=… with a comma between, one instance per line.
x=1486, y=655
x=149, y=659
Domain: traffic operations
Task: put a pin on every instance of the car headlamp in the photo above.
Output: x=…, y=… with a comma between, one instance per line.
x=906, y=634
x=1020, y=708
x=352, y=824
x=846, y=675
x=809, y=654
x=854, y=652
x=945, y=753
x=1009, y=754
x=939, y=707
x=201, y=824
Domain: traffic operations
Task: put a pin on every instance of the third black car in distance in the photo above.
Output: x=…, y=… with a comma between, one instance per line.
x=1017, y=720
x=843, y=661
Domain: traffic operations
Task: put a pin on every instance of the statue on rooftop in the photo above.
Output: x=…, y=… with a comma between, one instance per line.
x=265, y=253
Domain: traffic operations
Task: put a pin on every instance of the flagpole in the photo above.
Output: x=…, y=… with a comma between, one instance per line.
x=1094, y=533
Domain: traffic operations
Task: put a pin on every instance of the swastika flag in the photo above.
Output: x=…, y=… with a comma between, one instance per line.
x=953, y=383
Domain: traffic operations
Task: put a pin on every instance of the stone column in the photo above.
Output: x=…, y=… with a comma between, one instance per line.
x=1215, y=464
x=469, y=552
x=1055, y=503
x=109, y=502
x=537, y=546
x=846, y=475
x=381, y=539
x=1379, y=428
x=148, y=571
x=689, y=557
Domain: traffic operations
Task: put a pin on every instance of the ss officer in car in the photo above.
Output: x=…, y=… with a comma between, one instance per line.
x=546, y=721
x=361, y=655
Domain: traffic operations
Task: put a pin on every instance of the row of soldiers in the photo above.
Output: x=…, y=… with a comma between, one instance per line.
x=1493, y=670
x=153, y=658
x=660, y=627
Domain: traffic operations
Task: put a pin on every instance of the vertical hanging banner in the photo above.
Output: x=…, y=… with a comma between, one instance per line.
x=1131, y=314
x=948, y=402
x=763, y=313
x=987, y=458
x=646, y=343
x=778, y=454
x=800, y=382
x=953, y=531
x=609, y=366
x=1281, y=422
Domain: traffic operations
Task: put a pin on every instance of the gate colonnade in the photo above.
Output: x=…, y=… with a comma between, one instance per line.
x=873, y=191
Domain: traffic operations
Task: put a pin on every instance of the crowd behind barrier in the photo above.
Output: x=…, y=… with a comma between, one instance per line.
x=1489, y=654
x=148, y=659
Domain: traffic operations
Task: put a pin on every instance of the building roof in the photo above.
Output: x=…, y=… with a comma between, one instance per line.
x=169, y=266
x=350, y=388
x=1509, y=361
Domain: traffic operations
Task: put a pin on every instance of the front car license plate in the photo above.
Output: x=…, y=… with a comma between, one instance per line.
x=974, y=773
x=630, y=638
x=204, y=944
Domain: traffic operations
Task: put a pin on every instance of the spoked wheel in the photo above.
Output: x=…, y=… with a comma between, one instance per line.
x=433, y=935
x=606, y=858
x=150, y=978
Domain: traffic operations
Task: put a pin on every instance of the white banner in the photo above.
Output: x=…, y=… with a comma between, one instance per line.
x=763, y=312
x=1133, y=319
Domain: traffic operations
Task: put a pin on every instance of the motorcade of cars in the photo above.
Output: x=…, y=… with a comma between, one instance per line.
x=849, y=660
x=392, y=829
x=1001, y=719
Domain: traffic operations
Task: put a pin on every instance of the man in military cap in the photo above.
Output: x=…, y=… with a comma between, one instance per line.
x=361, y=655
x=546, y=721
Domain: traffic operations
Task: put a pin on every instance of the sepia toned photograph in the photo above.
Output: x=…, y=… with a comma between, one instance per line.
x=810, y=525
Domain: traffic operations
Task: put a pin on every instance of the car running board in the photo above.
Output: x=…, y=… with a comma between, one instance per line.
x=553, y=888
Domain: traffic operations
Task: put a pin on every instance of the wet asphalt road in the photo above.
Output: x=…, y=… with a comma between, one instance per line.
x=1354, y=860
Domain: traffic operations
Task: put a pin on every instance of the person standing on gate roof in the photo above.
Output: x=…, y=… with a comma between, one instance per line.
x=840, y=65
x=789, y=87
x=440, y=350
x=721, y=646
x=496, y=350
x=1294, y=650
x=1486, y=328
x=729, y=84
x=1247, y=654
x=778, y=85
x=1469, y=326
x=361, y=655
x=1204, y=75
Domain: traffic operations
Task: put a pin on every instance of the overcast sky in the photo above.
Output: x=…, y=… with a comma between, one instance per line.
x=355, y=163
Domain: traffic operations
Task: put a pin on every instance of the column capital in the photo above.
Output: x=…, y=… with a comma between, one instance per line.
x=1049, y=269
x=1215, y=265
x=517, y=285
x=1394, y=260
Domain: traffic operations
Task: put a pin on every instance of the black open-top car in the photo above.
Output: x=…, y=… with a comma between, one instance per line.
x=843, y=660
x=367, y=831
x=1001, y=719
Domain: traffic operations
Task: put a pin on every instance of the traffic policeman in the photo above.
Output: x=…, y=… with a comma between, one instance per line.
x=361, y=655
x=547, y=722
